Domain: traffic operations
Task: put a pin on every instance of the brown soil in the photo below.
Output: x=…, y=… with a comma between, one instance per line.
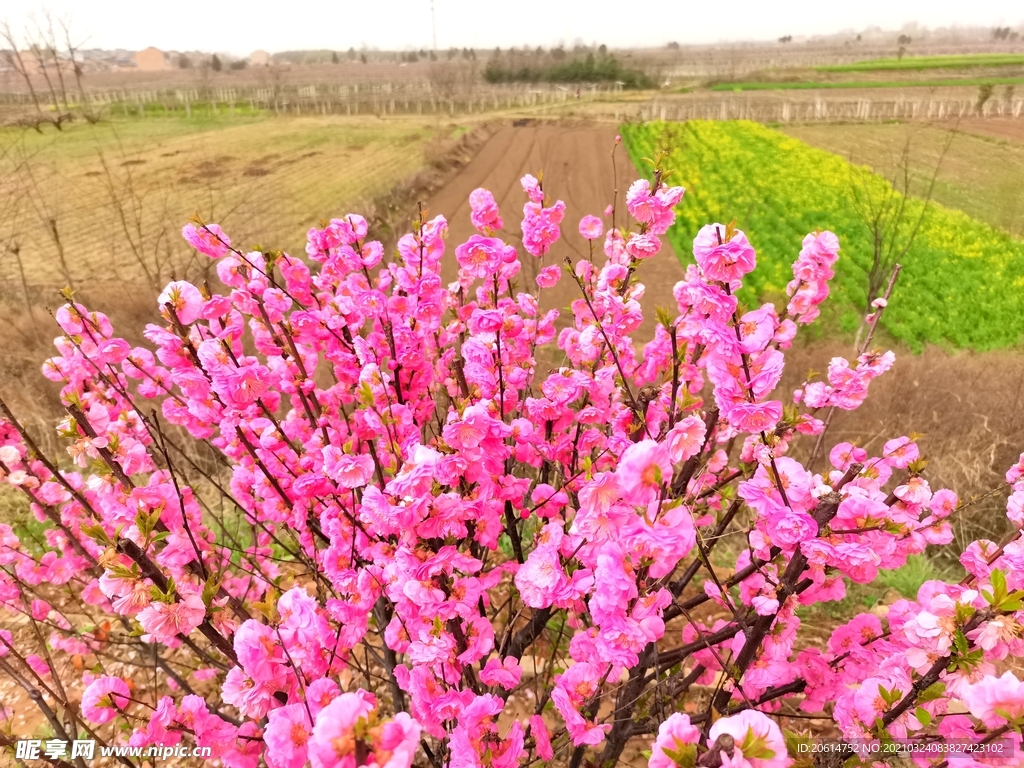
x=576, y=162
x=1006, y=128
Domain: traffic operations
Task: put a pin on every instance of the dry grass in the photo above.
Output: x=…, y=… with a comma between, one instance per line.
x=27, y=340
x=266, y=181
x=968, y=408
x=26, y=317
x=119, y=192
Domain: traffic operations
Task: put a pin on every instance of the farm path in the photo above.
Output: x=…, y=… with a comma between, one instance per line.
x=577, y=165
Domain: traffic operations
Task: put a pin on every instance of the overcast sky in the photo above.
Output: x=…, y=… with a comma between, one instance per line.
x=278, y=25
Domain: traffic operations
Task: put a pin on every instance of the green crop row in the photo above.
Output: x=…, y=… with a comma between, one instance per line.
x=929, y=62
x=801, y=85
x=962, y=283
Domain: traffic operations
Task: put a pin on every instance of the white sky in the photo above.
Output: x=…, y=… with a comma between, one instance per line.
x=277, y=25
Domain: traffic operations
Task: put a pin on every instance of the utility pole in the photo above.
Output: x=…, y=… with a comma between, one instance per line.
x=433, y=25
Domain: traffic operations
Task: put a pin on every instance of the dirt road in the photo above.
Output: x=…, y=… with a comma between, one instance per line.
x=576, y=161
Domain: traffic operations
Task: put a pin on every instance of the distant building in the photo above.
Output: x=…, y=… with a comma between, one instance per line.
x=33, y=63
x=150, y=60
x=28, y=61
x=259, y=59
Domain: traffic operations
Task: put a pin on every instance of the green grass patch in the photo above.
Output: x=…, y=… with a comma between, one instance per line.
x=964, y=61
x=902, y=582
x=908, y=579
x=810, y=85
x=963, y=280
x=199, y=110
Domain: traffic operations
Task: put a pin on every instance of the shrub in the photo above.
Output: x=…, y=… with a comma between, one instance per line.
x=339, y=516
x=600, y=69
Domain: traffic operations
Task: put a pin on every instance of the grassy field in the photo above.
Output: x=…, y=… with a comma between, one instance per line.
x=809, y=85
x=980, y=175
x=117, y=193
x=910, y=63
x=963, y=282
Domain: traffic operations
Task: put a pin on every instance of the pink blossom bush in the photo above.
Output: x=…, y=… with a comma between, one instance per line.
x=345, y=518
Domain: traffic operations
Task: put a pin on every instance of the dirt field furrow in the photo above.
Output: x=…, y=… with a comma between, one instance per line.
x=577, y=167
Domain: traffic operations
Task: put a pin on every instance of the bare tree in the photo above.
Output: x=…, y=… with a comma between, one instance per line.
x=39, y=50
x=445, y=79
x=47, y=51
x=145, y=217
x=11, y=235
x=204, y=75
x=51, y=58
x=127, y=205
x=16, y=61
x=892, y=225
x=985, y=91
x=72, y=52
x=271, y=76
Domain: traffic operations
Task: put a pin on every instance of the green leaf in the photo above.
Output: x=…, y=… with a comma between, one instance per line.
x=798, y=747
x=932, y=692
x=923, y=716
x=685, y=756
x=97, y=534
x=142, y=522
x=664, y=317
x=917, y=466
x=1003, y=713
x=890, y=696
x=1014, y=602
x=896, y=529
x=755, y=748
x=999, y=593
x=210, y=590
x=119, y=571
x=960, y=642
x=790, y=413
x=883, y=733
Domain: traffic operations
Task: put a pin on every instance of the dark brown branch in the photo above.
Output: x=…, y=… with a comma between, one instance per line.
x=524, y=638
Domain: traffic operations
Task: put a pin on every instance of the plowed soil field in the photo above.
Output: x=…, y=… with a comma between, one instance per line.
x=578, y=167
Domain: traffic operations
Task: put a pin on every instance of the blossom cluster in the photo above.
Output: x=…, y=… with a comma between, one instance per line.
x=356, y=520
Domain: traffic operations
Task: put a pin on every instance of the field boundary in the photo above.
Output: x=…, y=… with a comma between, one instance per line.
x=913, y=63
x=774, y=110
x=380, y=99
x=810, y=85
